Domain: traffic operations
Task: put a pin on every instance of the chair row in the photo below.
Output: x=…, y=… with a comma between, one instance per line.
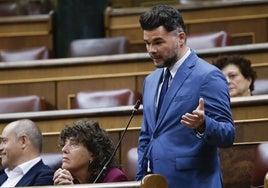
x=204, y=16
x=82, y=100
x=14, y=7
x=91, y=99
x=108, y=46
x=77, y=48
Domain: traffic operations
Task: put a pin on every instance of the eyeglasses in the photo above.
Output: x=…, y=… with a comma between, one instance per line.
x=71, y=144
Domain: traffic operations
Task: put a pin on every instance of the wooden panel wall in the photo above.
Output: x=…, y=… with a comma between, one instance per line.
x=17, y=32
x=245, y=21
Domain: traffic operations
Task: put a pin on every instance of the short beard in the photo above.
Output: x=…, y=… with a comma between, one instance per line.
x=169, y=62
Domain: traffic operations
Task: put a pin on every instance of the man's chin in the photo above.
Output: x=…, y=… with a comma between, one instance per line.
x=158, y=64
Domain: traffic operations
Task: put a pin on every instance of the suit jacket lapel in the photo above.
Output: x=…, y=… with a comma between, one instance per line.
x=182, y=74
x=154, y=91
x=3, y=176
x=30, y=175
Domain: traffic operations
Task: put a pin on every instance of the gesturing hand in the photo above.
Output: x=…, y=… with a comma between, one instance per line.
x=197, y=118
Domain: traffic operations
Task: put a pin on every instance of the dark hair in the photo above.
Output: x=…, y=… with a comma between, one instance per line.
x=96, y=140
x=162, y=15
x=242, y=63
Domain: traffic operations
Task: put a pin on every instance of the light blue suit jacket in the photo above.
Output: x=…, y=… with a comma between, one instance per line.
x=174, y=150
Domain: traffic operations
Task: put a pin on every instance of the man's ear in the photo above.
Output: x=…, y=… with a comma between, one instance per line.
x=181, y=38
x=23, y=140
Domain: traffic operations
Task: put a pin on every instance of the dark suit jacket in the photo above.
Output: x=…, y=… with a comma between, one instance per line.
x=39, y=174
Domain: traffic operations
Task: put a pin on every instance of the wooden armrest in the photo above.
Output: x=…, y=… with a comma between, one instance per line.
x=266, y=181
x=154, y=180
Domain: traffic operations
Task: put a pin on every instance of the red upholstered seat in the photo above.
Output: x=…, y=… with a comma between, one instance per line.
x=98, y=46
x=24, y=54
x=208, y=40
x=260, y=165
x=21, y=104
x=8, y=8
x=109, y=98
x=260, y=87
x=53, y=160
x=132, y=163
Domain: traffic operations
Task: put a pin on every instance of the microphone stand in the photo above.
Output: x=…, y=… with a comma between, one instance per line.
x=136, y=107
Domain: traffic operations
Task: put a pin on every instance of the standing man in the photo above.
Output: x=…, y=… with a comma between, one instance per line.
x=20, y=148
x=180, y=138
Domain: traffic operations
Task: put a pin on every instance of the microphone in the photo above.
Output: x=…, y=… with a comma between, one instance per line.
x=135, y=109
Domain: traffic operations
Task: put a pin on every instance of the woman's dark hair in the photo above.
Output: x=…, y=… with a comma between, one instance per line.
x=243, y=64
x=162, y=15
x=96, y=140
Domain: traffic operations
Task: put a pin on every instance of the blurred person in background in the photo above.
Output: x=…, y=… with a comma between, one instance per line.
x=239, y=74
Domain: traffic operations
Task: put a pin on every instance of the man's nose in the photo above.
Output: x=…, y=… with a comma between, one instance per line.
x=151, y=49
x=228, y=80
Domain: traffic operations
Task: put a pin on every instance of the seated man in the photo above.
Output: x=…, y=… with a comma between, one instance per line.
x=20, y=148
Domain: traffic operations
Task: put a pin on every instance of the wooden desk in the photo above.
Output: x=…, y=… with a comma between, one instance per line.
x=251, y=129
x=149, y=181
x=55, y=120
x=247, y=108
x=250, y=115
x=245, y=21
x=56, y=79
x=18, y=32
x=266, y=181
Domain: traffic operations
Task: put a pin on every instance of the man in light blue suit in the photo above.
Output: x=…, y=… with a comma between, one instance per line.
x=20, y=148
x=180, y=140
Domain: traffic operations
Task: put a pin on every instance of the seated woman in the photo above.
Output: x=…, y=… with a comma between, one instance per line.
x=239, y=74
x=86, y=148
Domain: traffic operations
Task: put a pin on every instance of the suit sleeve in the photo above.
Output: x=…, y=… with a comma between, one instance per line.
x=44, y=177
x=220, y=129
x=144, y=139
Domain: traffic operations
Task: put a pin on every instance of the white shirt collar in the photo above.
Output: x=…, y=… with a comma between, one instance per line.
x=22, y=168
x=177, y=65
x=16, y=174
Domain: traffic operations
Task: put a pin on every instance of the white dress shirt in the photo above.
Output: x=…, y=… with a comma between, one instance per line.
x=173, y=71
x=15, y=175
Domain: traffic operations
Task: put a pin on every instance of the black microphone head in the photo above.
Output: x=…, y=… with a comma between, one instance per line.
x=137, y=105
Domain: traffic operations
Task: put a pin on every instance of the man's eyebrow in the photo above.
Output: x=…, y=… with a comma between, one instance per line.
x=155, y=39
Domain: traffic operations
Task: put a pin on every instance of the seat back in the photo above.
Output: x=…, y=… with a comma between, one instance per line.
x=260, y=87
x=98, y=46
x=8, y=8
x=208, y=40
x=131, y=164
x=24, y=54
x=108, y=98
x=30, y=103
x=53, y=160
x=260, y=165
